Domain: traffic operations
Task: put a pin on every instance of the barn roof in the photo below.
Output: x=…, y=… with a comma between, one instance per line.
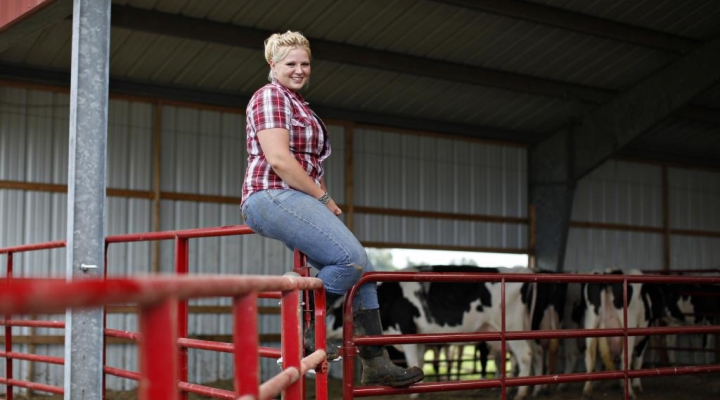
x=517, y=71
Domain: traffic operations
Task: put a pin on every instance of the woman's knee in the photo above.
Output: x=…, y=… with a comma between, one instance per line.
x=358, y=259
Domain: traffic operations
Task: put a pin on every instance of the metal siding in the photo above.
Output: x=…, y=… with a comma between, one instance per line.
x=203, y=143
x=30, y=142
x=692, y=252
x=180, y=146
x=617, y=192
x=130, y=145
x=12, y=126
x=620, y=192
x=33, y=132
x=598, y=249
x=130, y=166
x=60, y=138
x=335, y=165
x=233, y=156
x=428, y=173
x=211, y=145
x=694, y=199
x=630, y=193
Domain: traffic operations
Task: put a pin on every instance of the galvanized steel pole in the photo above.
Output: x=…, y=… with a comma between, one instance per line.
x=86, y=191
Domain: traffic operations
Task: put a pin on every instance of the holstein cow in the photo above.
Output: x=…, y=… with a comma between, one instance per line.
x=547, y=308
x=602, y=308
x=691, y=304
x=454, y=307
x=572, y=319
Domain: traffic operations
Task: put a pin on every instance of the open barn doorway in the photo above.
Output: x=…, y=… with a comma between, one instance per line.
x=391, y=259
x=448, y=362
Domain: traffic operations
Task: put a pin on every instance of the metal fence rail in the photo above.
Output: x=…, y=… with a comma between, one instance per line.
x=158, y=298
x=177, y=328
x=350, y=342
x=181, y=240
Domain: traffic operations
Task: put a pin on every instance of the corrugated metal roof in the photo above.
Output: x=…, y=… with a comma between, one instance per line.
x=597, y=63
x=688, y=18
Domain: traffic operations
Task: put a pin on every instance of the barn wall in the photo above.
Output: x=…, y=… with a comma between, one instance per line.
x=203, y=153
x=695, y=200
x=618, y=192
x=630, y=193
x=429, y=173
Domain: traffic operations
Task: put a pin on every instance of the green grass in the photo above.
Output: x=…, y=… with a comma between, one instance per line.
x=466, y=367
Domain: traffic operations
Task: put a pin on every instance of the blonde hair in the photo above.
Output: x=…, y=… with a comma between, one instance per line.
x=278, y=45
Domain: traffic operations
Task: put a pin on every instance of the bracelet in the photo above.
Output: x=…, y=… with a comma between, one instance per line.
x=324, y=198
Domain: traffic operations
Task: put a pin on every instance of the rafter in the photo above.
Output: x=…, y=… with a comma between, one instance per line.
x=52, y=77
x=578, y=22
x=238, y=36
x=559, y=161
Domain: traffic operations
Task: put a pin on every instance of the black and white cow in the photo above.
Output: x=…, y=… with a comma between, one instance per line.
x=572, y=348
x=601, y=307
x=691, y=304
x=547, y=309
x=455, y=307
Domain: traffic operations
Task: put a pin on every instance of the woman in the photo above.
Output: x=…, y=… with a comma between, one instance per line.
x=284, y=198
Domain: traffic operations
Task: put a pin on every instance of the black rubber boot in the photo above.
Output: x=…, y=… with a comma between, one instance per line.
x=330, y=349
x=377, y=367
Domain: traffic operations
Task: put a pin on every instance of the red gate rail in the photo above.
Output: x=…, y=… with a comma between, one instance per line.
x=158, y=351
x=181, y=239
x=350, y=342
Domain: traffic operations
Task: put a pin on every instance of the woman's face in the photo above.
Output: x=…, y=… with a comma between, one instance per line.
x=293, y=71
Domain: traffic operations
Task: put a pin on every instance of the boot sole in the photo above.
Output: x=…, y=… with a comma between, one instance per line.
x=395, y=383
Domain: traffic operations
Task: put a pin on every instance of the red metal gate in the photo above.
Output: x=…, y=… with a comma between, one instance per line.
x=172, y=295
x=158, y=345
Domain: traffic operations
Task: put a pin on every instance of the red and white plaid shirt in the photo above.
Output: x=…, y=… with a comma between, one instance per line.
x=275, y=106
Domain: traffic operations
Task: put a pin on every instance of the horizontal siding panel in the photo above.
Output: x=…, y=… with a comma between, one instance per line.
x=335, y=165
x=620, y=192
x=692, y=252
x=427, y=173
x=694, y=199
x=203, y=151
x=130, y=145
x=598, y=249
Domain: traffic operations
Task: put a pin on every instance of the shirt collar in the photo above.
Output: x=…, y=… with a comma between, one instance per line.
x=292, y=93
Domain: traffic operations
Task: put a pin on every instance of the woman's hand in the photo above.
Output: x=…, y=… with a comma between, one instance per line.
x=333, y=207
x=276, y=147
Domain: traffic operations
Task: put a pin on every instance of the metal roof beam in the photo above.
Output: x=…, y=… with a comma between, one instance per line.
x=52, y=77
x=238, y=36
x=578, y=22
x=558, y=162
x=613, y=125
x=40, y=19
x=663, y=155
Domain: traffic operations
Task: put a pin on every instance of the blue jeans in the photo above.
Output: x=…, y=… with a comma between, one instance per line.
x=303, y=223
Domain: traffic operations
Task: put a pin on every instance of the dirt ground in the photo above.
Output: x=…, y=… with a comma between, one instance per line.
x=684, y=387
